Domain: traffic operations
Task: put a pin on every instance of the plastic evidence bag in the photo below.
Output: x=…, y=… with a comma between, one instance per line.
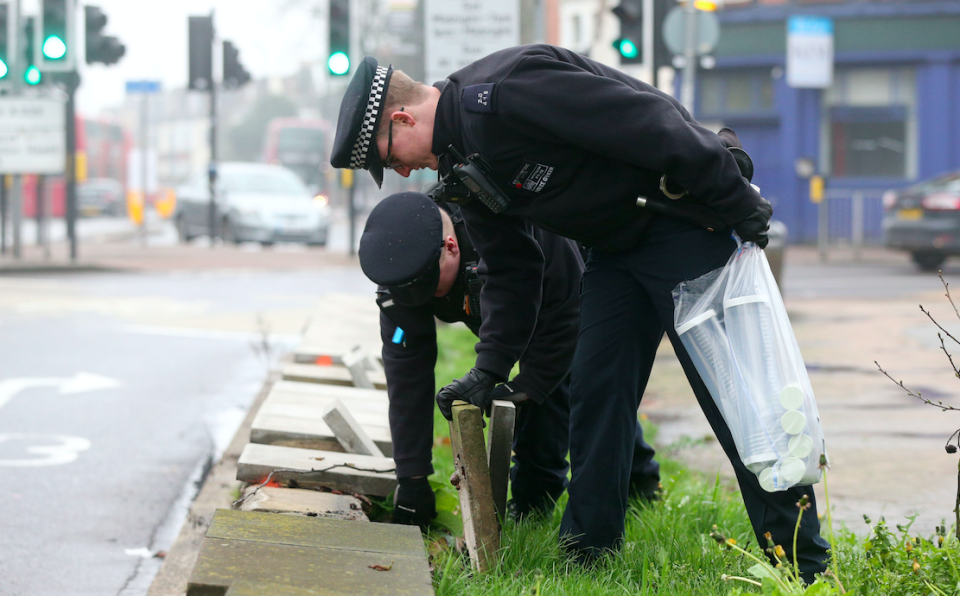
x=734, y=325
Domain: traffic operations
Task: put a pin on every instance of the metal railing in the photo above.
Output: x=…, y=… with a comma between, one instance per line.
x=851, y=217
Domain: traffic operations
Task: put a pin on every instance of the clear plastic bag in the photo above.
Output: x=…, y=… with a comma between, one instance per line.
x=734, y=325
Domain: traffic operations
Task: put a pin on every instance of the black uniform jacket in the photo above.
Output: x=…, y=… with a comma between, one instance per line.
x=409, y=365
x=573, y=143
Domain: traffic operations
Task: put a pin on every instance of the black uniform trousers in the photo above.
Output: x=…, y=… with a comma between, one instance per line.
x=539, y=473
x=626, y=306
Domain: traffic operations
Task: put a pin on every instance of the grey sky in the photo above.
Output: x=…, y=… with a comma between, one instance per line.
x=272, y=41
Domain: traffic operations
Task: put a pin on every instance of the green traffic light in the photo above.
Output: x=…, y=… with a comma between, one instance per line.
x=339, y=63
x=54, y=48
x=628, y=49
x=4, y=71
x=32, y=76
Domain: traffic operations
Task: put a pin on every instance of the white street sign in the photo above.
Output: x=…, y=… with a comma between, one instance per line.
x=810, y=52
x=32, y=136
x=457, y=32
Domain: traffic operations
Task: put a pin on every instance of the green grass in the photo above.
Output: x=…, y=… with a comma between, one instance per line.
x=667, y=548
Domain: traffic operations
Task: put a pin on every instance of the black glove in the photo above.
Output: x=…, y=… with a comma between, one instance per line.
x=414, y=502
x=508, y=392
x=731, y=142
x=755, y=227
x=475, y=388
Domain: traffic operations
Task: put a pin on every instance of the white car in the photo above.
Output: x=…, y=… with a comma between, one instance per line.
x=255, y=203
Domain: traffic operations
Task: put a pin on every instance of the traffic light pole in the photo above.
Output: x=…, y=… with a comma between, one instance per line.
x=72, y=80
x=213, y=153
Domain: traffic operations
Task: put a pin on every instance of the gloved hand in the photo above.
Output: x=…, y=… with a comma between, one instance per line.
x=507, y=392
x=475, y=388
x=731, y=142
x=754, y=228
x=414, y=502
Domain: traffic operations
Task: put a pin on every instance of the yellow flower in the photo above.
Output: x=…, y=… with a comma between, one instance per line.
x=916, y=566
x=909, y=546
x=778, y=550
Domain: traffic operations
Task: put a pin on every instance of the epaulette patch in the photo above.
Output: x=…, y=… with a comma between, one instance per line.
x=478, y=98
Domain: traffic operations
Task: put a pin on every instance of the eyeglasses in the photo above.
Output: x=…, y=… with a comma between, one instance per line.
x=390, y=162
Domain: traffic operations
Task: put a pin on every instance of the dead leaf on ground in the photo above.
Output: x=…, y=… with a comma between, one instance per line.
x=318, y=458
x=381, y=567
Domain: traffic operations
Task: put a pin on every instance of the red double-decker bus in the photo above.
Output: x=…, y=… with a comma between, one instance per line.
x=301, y=145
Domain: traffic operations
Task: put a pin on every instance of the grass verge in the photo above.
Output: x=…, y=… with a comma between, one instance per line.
x=667, y=546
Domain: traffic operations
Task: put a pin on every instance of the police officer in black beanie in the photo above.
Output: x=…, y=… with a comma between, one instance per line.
x=542, y=136
x=422, y=259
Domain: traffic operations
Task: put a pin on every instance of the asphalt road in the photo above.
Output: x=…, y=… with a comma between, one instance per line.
x=116, y=390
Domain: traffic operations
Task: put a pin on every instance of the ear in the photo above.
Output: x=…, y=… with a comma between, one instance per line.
x=451, y=246
x=402, y=117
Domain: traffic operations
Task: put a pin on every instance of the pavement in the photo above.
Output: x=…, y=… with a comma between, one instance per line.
x=886, y=448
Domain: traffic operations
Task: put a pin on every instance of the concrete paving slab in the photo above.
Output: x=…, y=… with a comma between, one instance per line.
x=314, y=469
x=348, y=431
x=331, y=375
x=272, y=499
x=503, y=417
x=481, y=531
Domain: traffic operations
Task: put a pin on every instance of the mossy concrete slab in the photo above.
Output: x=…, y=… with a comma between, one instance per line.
x=248, y=588
x=328, y=571
x=252, y=526
x=307, y=468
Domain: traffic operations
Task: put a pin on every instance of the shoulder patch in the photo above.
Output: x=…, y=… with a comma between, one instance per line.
x=478, y=98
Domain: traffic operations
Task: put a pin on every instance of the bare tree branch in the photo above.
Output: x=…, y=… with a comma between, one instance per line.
x=940, y=327
x=949, y=357
x=946, y=287
x=937, y=404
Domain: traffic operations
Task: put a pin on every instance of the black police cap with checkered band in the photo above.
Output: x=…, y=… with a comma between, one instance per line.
x=400, y=247
x=355, y=146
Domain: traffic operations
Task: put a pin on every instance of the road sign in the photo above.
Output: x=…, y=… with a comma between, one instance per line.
x=675, y=36
x=32, y=136
x=457, y=32
x=143, y=86
x=810, y=52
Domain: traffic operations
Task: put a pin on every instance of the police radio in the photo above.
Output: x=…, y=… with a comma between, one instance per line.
x=469, y=179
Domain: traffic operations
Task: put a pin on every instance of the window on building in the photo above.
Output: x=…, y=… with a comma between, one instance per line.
x=735, y=92
x=869, y=127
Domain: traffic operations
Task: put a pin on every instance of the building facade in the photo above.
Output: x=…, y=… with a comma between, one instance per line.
x=890, y=117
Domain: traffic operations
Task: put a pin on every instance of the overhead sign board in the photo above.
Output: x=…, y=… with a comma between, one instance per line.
x=143, y=86
x=458, y=32
x=32, y=136
x=810, y=52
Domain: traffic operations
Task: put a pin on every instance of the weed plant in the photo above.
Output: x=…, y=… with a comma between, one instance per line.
x=671, y=545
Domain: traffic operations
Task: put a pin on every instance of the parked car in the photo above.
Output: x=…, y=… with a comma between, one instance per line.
x=924, y=220
x=101, y=196
x=255, y=203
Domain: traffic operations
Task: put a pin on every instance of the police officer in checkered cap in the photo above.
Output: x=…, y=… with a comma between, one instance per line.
x=559, y=141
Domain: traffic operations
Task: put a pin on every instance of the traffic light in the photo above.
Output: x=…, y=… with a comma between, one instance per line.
x=101, y=48
x=7, y=35
x=31, y=74
x=630, y=42
x=338, y=62
x=201, y=53
x=234, y=74
x=55, y=41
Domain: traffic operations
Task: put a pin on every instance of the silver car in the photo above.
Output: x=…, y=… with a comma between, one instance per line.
x=255, y=203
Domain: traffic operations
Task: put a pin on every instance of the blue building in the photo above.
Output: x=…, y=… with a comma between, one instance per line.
x=891, y=116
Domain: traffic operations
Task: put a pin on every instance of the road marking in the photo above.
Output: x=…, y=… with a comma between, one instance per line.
x=79, y=383
x=64, y=450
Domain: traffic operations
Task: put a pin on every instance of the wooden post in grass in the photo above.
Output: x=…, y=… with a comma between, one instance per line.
x=503, y=418
x=481, y=531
